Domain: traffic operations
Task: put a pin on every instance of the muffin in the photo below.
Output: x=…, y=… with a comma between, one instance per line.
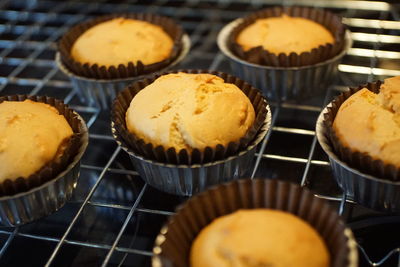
x=103, y=55
x=360, y=132
x=291, y=53
x=31, y=135
x=259, y=237
x=255, y=222
x=41, y=144
x=370, y=123
x=193, y=128
x=284, y=34
x=190, y=111
x=109, y=44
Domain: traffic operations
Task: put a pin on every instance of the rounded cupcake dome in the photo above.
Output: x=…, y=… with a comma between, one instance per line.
x=361, y=150
x=189, y=170
x=370, y=123
x=259, y=237
x=284, y=34
x=120, y=41
x=31, y=135
x=297, y=36
x=190, y=111
x=84, y=43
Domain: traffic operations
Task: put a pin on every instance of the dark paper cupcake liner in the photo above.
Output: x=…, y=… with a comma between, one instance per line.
x=52, y=168
x=121, y=71
x=258, y=55
x=172, y=246
x=169, y=155
x=361, y=161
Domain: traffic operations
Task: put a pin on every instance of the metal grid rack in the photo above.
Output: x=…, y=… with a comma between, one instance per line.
x=114, y=217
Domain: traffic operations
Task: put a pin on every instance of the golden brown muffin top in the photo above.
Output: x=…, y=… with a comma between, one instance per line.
x=120, y=41
x=259, y=237
x=370, y=123
x=188, y=111
x=30, y=136
x=284, y=34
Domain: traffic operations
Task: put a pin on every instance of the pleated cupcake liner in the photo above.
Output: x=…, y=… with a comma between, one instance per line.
x=101, y=92
x=172, y=245
x=187, y=172
x=369, y=182
x=258, y=55
x=284, y=83
x=26, y=199
x=132, y=69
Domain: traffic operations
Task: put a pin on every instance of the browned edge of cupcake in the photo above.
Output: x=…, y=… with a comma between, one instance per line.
x=132, y=69
x=172, y=246
x=54, y=167
x=358, y=160
x=170, y=155
x=258, y=55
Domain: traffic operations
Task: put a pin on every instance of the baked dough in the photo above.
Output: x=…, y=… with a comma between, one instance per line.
x=31, y=134
x=120, y=41
x=370, y=123
x=188, y=111
x=259, y=238
x=284, y=34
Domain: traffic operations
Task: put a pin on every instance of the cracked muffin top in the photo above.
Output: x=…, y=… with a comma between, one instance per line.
x=188, y=111
x=120, y=41
x=284, y=34
x=370, y=123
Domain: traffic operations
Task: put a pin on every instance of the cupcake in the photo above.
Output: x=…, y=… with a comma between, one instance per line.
x=360, y=132
x=190, y=111
x=258, y=237
x=103, y=55
x=192, y=128
x=108, y=44
x=268, y=48
x=256, y=222
x=41, y=143
x=282, y=35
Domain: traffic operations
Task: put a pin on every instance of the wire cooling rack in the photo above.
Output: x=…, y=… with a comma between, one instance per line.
x=114, y=217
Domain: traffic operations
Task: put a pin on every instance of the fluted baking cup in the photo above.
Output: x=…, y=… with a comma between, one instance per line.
x=132, y=69
x=25, y=200
x=172, y=245
x=283, y=83
x=371, y=183
x=100, y=92
x=183, y=172
x=258, y=55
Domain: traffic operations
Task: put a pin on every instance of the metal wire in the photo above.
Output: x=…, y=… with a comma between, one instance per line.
x=372, y=35
x=59, y=244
